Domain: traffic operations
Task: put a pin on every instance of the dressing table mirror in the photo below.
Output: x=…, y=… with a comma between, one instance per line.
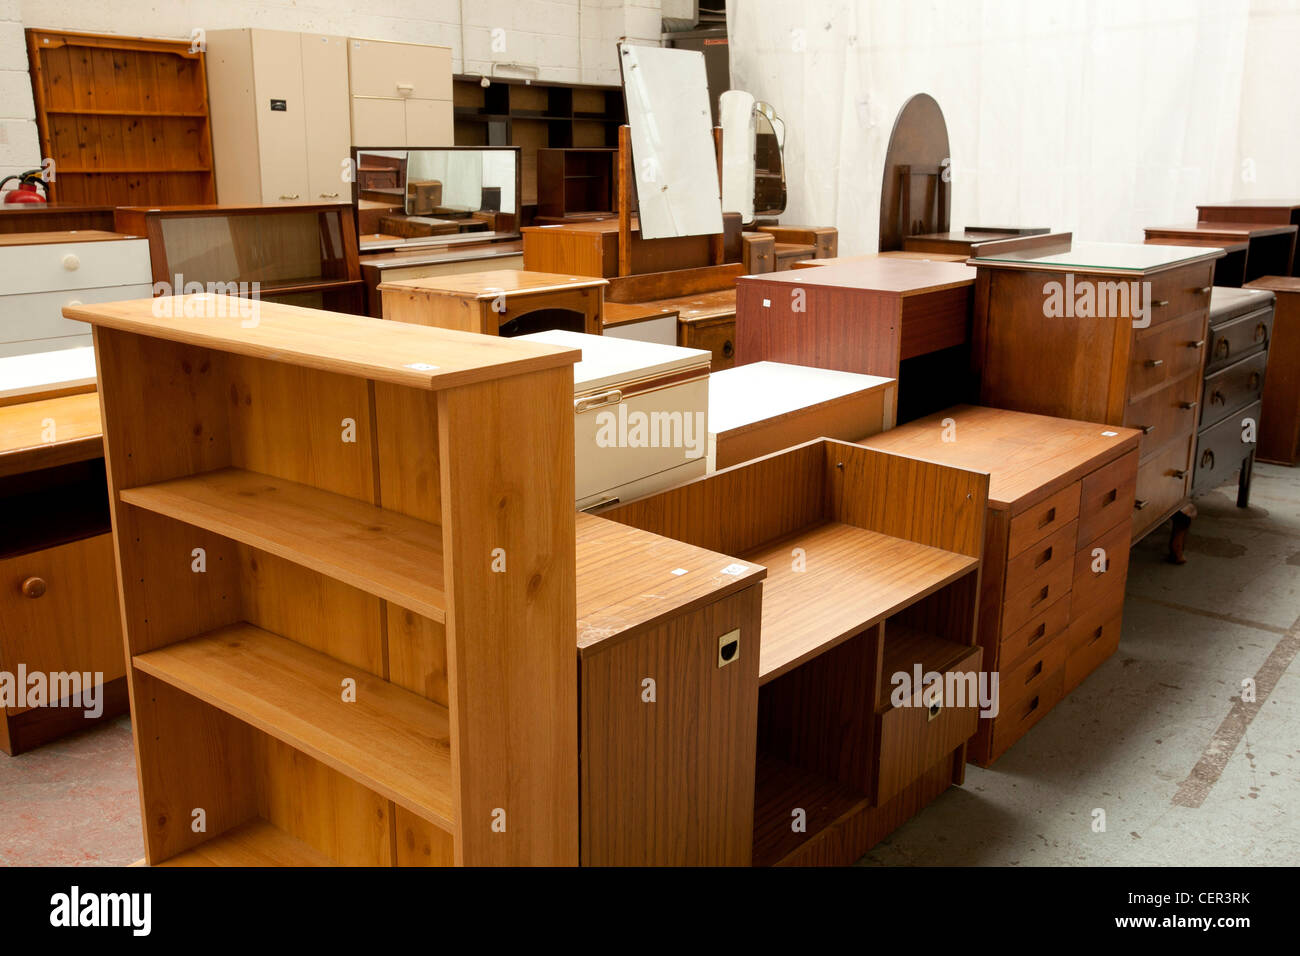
x=753, y=174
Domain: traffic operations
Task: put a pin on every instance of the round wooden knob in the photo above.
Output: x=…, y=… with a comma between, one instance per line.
x=33, y=587
x=71, y=262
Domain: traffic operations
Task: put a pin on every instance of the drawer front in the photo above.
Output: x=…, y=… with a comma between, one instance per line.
x=1165, y=414
x=72, y=624
x=1232, y=388
x=1221, y=449
x=1014, y=720
x=1038, y=521
x=1041, y=628
x=1099, y=579
x=1106, y=499
x=1087, y=645
x=1165, y=353
x=1032, y=567
x=1162, y=483
x=617, y=440
x=1019, y=608
x=718, y=337
x=1180, y=291
x=1018, y=684
x=39, y=315
x=913, y=738
x=59, y=266
x=1238, y=338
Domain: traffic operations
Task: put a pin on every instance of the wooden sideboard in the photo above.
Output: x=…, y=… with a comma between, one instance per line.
x=1117, y=361
x=1050, y=604
x=1279, y=425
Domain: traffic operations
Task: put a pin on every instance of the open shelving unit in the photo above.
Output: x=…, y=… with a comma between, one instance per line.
x=872, y=570
x=325, y=667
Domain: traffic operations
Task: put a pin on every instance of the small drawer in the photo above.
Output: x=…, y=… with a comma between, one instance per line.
x=1014, y=720
x=1088, y=643
x=1021, y=682
x=1019, y=608
x=1038, y=521
x=1221, y=448
x=716, y=335
x=912, y=739
x=1042, y=628
x=1232, y=388
x=1033, y=566
x=39, y=315
x=1238, y=338
x=1161, y=484
x=1092, y=588
x=1107, y=496
x=1178, y=292
x=56, y=266
x=1166, y=413
x=1165, y=353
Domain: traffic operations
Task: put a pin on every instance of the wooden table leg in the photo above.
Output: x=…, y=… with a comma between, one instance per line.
x=1243, y=481
x=1178, y=537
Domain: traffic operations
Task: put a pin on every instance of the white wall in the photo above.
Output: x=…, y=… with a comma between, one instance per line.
x=569, y=41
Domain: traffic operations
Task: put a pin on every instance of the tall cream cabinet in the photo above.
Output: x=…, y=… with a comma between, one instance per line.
x=279, y=106
x=401, y=94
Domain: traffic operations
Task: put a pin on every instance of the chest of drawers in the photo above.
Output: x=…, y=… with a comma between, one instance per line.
x=1279, y=427
x=1056, y=548
x=41, y=272
x=1102, y=332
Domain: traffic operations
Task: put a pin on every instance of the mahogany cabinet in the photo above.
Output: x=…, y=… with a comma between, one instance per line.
x=1279, y=423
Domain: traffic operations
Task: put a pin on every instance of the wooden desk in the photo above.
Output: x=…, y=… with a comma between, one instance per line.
x=1268, y=250
x=452, y=259
x=1273, y=211
x=868, y=316
x=58, y=582
x=872, y=565
x=591, y=249
x=1279, y=423
x=497, y=303
x=1134, y=357
x=1058, y=489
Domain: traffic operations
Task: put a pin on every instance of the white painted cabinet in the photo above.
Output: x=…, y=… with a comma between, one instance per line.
x=401, y=94
x=279, y=107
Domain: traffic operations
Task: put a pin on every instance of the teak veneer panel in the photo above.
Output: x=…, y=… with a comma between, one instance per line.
x=388, y=739
x=382, y=552
x=255, y=843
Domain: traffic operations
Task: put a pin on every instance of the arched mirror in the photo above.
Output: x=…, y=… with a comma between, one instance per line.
x=769, y=168
x=753, y=173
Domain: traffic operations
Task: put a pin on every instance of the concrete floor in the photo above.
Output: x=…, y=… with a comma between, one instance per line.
x=1157, y=737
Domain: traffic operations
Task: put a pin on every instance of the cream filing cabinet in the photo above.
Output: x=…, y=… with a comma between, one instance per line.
x=400, y=94
x=641, y=413
x=42, y=272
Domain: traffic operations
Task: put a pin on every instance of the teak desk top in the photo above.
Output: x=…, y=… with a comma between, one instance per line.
x=1275, y=283
x=883, y=275
x=1028, y=457
x=489, y=285
x=1230, y=231
x=415, y=356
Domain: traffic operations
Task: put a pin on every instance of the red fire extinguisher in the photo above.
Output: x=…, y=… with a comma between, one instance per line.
x=26, y=190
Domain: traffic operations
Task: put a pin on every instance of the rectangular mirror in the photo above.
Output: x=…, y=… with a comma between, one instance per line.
x=674, y=162
x=436, y=195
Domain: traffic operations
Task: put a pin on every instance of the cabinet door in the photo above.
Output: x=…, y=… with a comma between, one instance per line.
x=281, y=132
x=380, y=68
x=378, y=122
x=429, y=123
x=325, y=99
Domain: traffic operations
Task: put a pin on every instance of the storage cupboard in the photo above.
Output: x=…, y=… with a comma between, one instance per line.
x=1279, y=435
x=280, y=127
x=400, y=94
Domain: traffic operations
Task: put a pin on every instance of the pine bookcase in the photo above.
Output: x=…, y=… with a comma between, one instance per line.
x=346, y=556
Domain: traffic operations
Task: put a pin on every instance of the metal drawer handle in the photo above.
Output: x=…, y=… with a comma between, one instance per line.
x=1139, y=504
x=1207, y=458
x=1204, y=290
x=1188, y=405
x=1147, y=429
x=1178, y=473
x=33, y=587
x=607, y=500
x=612, y=397
x=1253, y=381
x=1222, y=348
x=294, y=196
x=329, y=195
x=1154, y=363
x=1197, y=344
x=1261, y=332
x=1160, y=303
x=1216, y=397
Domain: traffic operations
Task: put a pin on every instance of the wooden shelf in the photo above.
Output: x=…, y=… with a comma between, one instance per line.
x=384, y=553
x=852, y=579
x=389, y=739
x=782, y=788
x=164, y=114
x=131, y=170
x=907, y=646
x=255, y=843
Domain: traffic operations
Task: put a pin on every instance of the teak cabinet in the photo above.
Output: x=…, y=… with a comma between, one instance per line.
x=1127, y=366
x=1056, y=549
x=347, y=587
x=872, y=571
x=280, y=128
x=124, y=119
x=400, y=94
x=1279, y=424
